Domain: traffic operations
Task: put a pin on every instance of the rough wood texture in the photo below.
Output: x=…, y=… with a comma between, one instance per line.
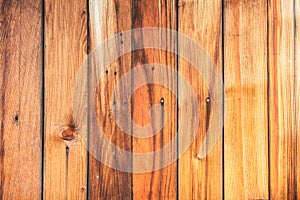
x=108, y=18
x=21, y=99
x=297, y=91
x=261, y=158
x=200, y=178
x=160, y=184
x=65, y=39
x=246, y=103
x=281, y=100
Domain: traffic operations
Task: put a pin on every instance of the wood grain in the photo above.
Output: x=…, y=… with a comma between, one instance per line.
x=160, y=184
x=281, y=100
x=261, y=158
x=107, y=19
x=246, y=102
x=297, y=92
x=21, y=99
x=66, y=44
x=200, y=178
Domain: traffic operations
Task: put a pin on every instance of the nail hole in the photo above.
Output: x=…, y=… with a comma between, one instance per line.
x=152, y=68
x=121, y=35
x=67, y=149
x=207, y=100
x=117, y=9
x=162, y=101
x=106, y=71
x=115, y=73
x=16, y=118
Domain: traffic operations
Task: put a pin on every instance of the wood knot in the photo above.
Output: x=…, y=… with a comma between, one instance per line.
x=68, y=134
x=68, y=129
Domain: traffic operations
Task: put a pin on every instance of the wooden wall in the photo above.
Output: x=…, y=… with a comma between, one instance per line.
x=256, y=45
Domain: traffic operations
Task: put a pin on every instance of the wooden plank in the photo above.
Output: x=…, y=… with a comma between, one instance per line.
x=246, y=103
x=200, y=178
x=108, y=18
x=66, y=44
x=160, y=184
x=281, y=100
x=297, y=91
x=21, y=99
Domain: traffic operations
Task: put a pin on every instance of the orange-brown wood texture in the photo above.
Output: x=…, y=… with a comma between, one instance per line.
x=297, y=93
x=206, y=179
x=21, y=99
x=105, y=182
x=162, y=183
x=246, y=100
x=65, y=162
x=255, y=44
x=282, y=140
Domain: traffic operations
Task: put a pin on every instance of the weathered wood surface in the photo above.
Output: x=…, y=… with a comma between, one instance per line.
x=256, y=44
x=21, y=99
x=200, y=178
x=159, y=184
x=105, y=182
x=297, y=93
x=281, y=73
x=246, y=100
x=65, y=162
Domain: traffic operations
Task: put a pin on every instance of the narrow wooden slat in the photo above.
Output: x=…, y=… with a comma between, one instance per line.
x=281, y=99
x=65, y=50
x=297, y=91
x=246, y=114
x=160, y=184
x=21, y=99
x=200, y=178
x=107, y=19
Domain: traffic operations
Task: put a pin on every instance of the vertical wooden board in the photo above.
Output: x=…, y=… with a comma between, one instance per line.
x=107, y=19
x=246, y=114
x=202, y=22
x=21, y=99
x=65, y=39
x=297, y=91
x=162, y=183
x=281, y=99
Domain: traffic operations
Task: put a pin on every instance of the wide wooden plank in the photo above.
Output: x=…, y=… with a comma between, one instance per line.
x=159, y=184
x=281, y=100
x=200, y=178
x=246, y=103
x=107, y=19
x=66, y=44
x=21, y=99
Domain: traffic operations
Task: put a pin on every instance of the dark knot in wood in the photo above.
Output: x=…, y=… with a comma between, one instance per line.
x=68, y=134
